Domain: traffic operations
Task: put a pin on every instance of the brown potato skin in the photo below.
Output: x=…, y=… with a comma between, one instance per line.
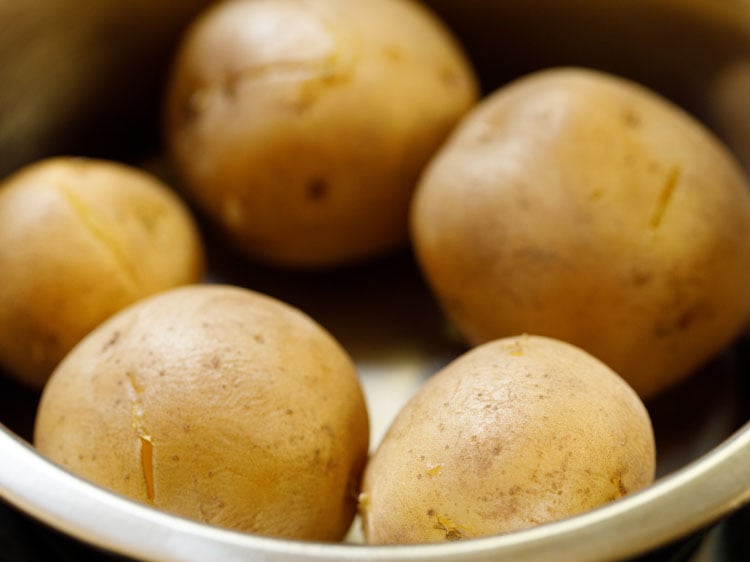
x=305, y=143
x=80, y=239
x=581, y=206
x=254, y=414
x=512, y=434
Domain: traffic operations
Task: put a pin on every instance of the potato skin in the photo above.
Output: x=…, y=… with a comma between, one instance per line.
x=216, y=403
x=79, y=240
x=514, y=433
x=301, y=128
x=581, y=206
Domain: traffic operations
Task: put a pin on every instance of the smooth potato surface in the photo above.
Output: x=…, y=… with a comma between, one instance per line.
x=514, y=433
x=581, y=206
x=79, y=240
x=301, y=127
x=216, y=403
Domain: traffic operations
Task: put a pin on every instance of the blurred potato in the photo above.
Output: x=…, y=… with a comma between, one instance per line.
x=79, y=240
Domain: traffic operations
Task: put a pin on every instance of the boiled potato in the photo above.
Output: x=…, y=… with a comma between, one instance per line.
x=301, y=127
x=218, y=404
x=79, y=240
x=581, y=206
x=514, y=433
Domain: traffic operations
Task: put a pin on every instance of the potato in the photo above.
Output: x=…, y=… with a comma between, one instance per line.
x=218, y=404
x=514, y=433
x=301, y=127
x=581, y=206
x=79, y=240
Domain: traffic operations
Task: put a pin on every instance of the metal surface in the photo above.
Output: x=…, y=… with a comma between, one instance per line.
x=697, y=52
x=678, y=504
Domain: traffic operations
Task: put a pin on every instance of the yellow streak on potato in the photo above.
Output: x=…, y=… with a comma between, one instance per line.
x=434, y=470
x=147, y=464
x=665, y=196
x=144, y=438
x=99, y=231
x=451, y=530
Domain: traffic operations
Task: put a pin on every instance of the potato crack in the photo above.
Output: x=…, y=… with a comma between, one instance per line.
x=620, y=489
x=451, y=530
x=665, y=197
x=100, y=234
x=144, y=438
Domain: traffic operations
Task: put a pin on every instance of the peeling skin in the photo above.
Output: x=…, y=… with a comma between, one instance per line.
x=665, y=197
x=620, y=489
x=515, y=348
x=451, y=530
x=147, y=465
x=434, y=470
x=145, y=439
x=313, y=75
x=363, y=502
x=100, y=233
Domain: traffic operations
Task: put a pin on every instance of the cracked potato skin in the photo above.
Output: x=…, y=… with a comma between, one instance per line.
x=80, y=239
x=301, y=127
x=512, y=434
x=581, y=206
x=218, y=404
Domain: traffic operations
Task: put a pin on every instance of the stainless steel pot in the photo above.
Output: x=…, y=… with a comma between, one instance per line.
x=86, y=79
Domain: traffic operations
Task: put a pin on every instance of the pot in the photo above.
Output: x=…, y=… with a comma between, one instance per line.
x=88, y=80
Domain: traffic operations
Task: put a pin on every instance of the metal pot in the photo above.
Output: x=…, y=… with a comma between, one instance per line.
x=87, y=79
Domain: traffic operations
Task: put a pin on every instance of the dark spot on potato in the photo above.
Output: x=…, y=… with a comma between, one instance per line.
x=431, y=512
x=258, y=338
x=317, y=189
x=686, y=318
x=640, y=278
x=631, y=118
x=111, y=341
x=449, y=77
x=682, y=322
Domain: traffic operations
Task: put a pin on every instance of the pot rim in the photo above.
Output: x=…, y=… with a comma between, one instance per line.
x=676, y=505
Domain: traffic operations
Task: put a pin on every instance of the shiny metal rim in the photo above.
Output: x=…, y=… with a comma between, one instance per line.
x=676, y=505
